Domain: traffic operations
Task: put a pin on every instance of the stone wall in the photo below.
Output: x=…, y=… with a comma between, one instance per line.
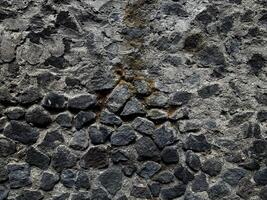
x=133, y=99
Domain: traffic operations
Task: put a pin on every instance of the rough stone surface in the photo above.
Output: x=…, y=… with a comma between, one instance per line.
x=172, y=93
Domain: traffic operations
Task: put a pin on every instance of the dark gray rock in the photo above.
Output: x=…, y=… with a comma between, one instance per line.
x=124, y=135
x=82, y=101
x=246, y=188
x=260, y=176
x=200, y=183
x=54, y=100
x=173, y=192
x=30, y=95
x=7, y=147
x=109, y=118
x=15, y=113
x=148, y=169
x=155, y=189
x=261, y=98
x=197, y=143
x=218, y=191
x=5, y=96
x=257, y=63
x=189, y=125
x=209, y=91
x=48, y=180
x=118, y=97
x=79, y=140
x=240, y=118
x=212, y=166
x=4, y=191
x=95, y=157
x=169, y=155
x=191, y=196
x=165, y=135
x=21, y=132
x=133, y=107
x=140, y=191
x=183, y=174
x=19, y=175
x=118, y=156
x=99, y=133
x=174, y=9
x=211, y=55
x=82, y=180
x=38, y=116
x=157, y=99
x=80, y=196
x=146, y=149
x=180, y=98
x=64, y=120
x=64, y=196
x=68, y=177
x=30, y=195
x=99, y=194
x=83, y=118
x=193, y=161
x=51, y=140
x=262, y=115
x=111, y=179
x=164, y=177
x=37, y=158
x=233, y=176
x=143, y=126
x=63, y=158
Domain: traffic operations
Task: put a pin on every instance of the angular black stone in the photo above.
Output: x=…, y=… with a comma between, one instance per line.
x=54, y=100
x=19, y=175
x=148, y=169
x=233, y=176
x=37, y=158
x=143, y=126
x=197, y=143
x=212, y=166
x=82, y=180
x=4, y=191
x=83, y=118
x=211, y=55
x=63, y=158
x=3, y=171
x=30, y=95
x=129, y=169
x=51, y=140
x=118, y=156
x=193, y=161
x=218, y=191
x=260, y=176
x=169, y=155
x=21, y=132
x=30, y=195
x=262, y=115
x=174, y=9
x=99, y=133
x=68, y=177
x=164, y=177
x=82, y=101
x=155, y=189
x=124, y=135
x=146, y=149
x=38, y=116
x=165, y=135
x=48, y=180
x=110, y=118
x=183, y=174
x=132, y=107
x=95, y=157
x=64, y=120
x=141, y=192
x=7, y=147
x=180, y=98
x=111, y=179
x=80, y=196
x=200, y=183
x=257, y=63
x=209, y=91
x=157, y=99
x=99, y=194
x=173, y=192
x=79, y=140
x=263, y=193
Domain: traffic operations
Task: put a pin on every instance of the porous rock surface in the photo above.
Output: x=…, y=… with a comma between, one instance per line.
x=133, y=99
